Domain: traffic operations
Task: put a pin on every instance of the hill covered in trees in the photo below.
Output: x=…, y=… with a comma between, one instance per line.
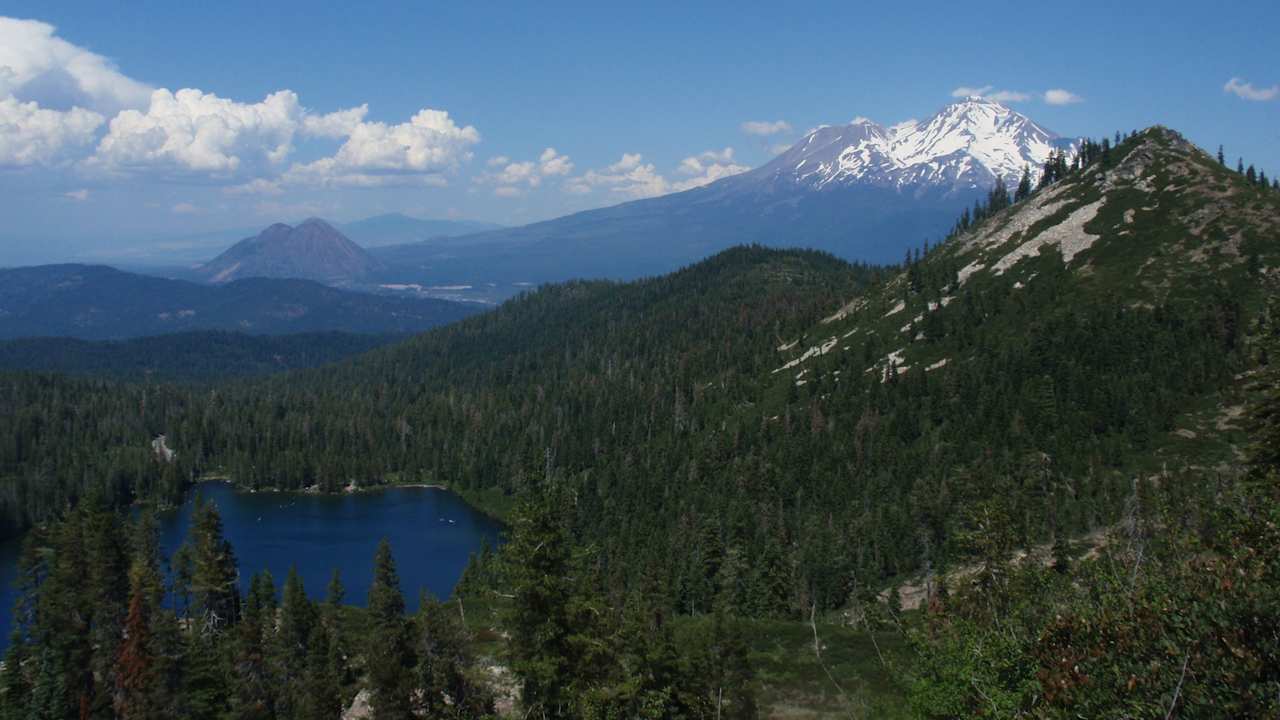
x=777, y=434
x=185, y=356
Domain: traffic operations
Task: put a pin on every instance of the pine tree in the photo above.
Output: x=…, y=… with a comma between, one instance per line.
x=288, y=648
x=214, y=595
x=204, y=691
x=1240, y=165
x=1024, y=186
x=390, y=657
x=335, y=592
x=255, y=688
x=319, y=692
x=1222, y=160
x=136, y=679
x=539, y=562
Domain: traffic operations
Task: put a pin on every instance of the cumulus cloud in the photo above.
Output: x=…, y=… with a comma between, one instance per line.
x=1058, y=96
x=77, y=195
x=337, y=125
x=764, y=128
x=185, y=208
x=377, y=153
x=632, y=177
x=1246, y=90
x=42, y=68
x=62, y=104
x=509, y=176
x=707, y=167
x=191, y=131
x=551, y=163
x=32, y=135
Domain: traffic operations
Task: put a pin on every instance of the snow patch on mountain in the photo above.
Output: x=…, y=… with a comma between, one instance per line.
x=964, y=147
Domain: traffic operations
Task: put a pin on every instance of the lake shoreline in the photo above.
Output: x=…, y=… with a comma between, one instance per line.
x=489, y=510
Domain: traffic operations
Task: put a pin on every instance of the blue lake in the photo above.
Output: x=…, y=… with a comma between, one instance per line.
x=432, y=534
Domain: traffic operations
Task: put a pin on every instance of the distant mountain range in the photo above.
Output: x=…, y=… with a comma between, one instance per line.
x=861, y=191
x=95, y=302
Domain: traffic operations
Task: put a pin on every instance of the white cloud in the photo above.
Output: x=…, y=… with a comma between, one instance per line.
x=551, y=163
x=634, y=178
x=377, y=154
x=1058, y=96
x=77, y=195
x=32, y=135
x=765, y=128
x=509, y=175
x=337, y=125
x=185, y=208
x=1055, y=96
x=630, y=176
x=1246, y=90
x=45, y=69
x=707, y=167
x=191, y=131
x=57, y=99
x=430, y=141
x=516, y=173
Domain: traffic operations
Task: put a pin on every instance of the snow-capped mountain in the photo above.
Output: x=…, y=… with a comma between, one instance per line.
x=962, y=148
x=861, y=191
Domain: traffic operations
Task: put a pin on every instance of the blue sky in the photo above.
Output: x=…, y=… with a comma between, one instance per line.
x=551, y=108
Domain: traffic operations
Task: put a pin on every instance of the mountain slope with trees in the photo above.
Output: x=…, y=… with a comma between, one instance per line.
x=206, y=356
x=777, y=434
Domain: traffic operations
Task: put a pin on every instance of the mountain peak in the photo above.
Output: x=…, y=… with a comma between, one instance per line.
x=314, y=250
x=962, y=148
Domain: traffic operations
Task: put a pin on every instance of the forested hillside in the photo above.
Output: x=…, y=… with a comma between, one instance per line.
x=777, y=434
x=723, y=410
x=185, y=356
